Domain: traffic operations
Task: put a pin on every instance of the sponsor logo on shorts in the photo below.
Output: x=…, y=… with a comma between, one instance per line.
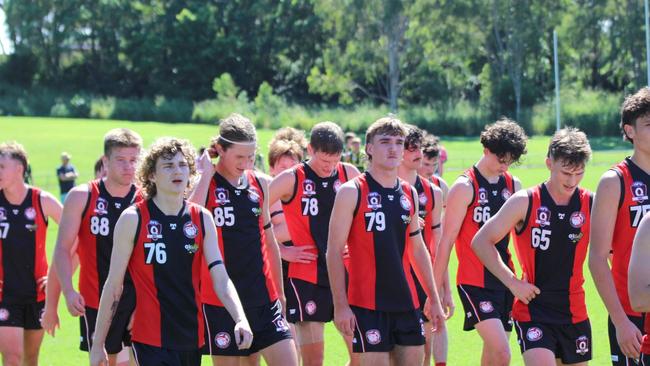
x=639, y=192
x=101, y=206
x=543, y=216
x=190, y=230
x=222, y=340
x=4, y=315
x=577, y=219
x=310, y=307
x=373, y=336
x=582, y=345
x=534, y=334
x=292, y=311
x=486, y=306
x=405, y=203
x=505, y=193
x=30, y=213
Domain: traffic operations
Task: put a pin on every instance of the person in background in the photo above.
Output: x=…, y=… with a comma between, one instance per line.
x=100, y=171
x=67, y=175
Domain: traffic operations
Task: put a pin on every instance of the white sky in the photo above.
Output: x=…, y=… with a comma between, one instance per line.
x=4, y=36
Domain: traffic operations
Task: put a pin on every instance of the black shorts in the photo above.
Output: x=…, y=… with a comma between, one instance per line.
x=146, y=355
x=618, y=358
x=267, y=324
x=380, y=331
x=484, y=303
x=118, y=335
x=26, y=316
x=307, y=302
x=569, y=342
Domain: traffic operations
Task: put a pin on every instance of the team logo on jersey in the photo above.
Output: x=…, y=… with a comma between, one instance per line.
x=190, y=230
x=577, y=219
x=222, y=340
x=4, y=315
x=534, y=334
x=482, y=196
x=192, y=248
x=253, y=195
x=505, y=193
x=101, y=206
x=3, y=214
x=154, y=230
x=373, y=336
x=543, y=216
x=582, y=345
x=486, y=307
x=310, y=307
x=374, y=200
x=405, y=203
x=222, y=196
x=422, y=198
x=639, y=192
x=30, y=213
x=308, y=187
x=337, y=185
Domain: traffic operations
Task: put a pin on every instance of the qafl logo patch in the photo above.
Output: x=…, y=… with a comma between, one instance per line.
x=577, y=219
x=101, y=206
x=482, y=196
x=222, y=340
x=639, y=191
x=308, y=187
x=582, y=345
x=405, y=202
x=154, y=230
x=222, y=196
x=534, y=334
x=30, y=213
x=374, y=201
x=543, y=216
x=3, y=214
x=373, y=336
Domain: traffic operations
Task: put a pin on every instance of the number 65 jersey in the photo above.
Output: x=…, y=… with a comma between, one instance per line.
x=551, y=248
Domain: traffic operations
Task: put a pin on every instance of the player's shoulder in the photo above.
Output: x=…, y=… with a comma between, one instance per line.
x=610, y=181
x=262, y=177
x=463, y=184
x=350, y=170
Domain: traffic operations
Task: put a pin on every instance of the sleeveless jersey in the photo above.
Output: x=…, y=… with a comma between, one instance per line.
x=435, y=180
x=426, y=203
x=645, y=345
x=95, y=241
x=552, y=247
x=166, y=268
x=486, y=201
x=240, y=228
x=379, y=266
x=307, y=214
x=23, y=261
x=633, y=204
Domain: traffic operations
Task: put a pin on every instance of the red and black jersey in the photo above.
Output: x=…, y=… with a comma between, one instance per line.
x=645, y=345
x=486, y=201
x=379, y=268
x=23, y=260
x=633, y=204
x=166, y=270
x=307, y=215
x=435, y=180
x=240, y=227
x=427, y=202
x=95, y=241
x=551, y=248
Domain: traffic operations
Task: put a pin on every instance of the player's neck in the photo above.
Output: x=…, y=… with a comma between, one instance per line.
x=409, y=175
x=15, y=193
x=310, y=162
x=560, y=196
x=169, y=204
x=642, y=160
x=116, y=189
x=234, y=180
x=483, y=168
x=385, y=177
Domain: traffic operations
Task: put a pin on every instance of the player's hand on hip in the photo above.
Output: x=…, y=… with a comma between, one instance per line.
x=433, y=311
x=299, y=253
x=243, y=334
x=98, y=356
x=629, y=338
x=50, y=321
x=523, y=290
x=75, y=302
x=345, y=320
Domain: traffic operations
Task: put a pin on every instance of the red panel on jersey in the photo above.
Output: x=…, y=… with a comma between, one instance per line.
x=40, y=260
x=87, y=251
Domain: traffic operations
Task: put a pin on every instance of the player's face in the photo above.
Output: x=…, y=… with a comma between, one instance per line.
x=172, y=175
x=428, y=166
x=10, y=171
x=412, y=157
x=640, y=133
x=236, y=159
x=386, y=150
x=121, y=163
x=565, y=178
x=323, y=163
x=498, y=165
x=283, y=163
x=355, y=146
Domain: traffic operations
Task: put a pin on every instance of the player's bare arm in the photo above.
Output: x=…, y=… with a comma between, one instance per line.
x=511, y=215
x=444, y=292
x=340, y=223
x=50, y=320
x=282, y=186
x=123, y=237
x=200, y=190
x=271, y=244
x=639, y=271
x=223, y=286
x=351, y=170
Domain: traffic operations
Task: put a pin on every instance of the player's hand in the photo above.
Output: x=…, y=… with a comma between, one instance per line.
x=205, y=163
x=50, y=321
x=298, y=254
x=75, y=302
x=98, y=356
x=41, y=283
x=345, y=320
x=433, y=311
x=346, y=252
x=629, y=338
x=243, y=334
x=421, y=222
x=523, y=290
x=447, y=302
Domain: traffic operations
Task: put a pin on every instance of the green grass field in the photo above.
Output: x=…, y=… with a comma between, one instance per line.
x=46, y=138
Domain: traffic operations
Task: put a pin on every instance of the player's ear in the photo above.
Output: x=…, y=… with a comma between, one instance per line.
x=548, y=163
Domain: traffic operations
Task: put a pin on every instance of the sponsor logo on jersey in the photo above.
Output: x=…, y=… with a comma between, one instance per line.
x=639, y=191
x=4, y=315
x=222, y=196
x=405, y=203
x=256, y=211
x=373, y=336
x=577, y=219
x=253, y=195
x=337, y=185
x=534, y=334
x=575, y=237
x=422, y=197
x=543, y=216
x=374, y=200
x=582, y=345
x=3, y=214
x=154, y=230
x=308, y=187
x=190, y=230
x=30, y=213
x=31, y=227
x=406, y=219
x=486, y=307
x=101, y=206
x=222, y=340
x=310, y=307
x=505, y=193
x=482, y=196
x=192, y=248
